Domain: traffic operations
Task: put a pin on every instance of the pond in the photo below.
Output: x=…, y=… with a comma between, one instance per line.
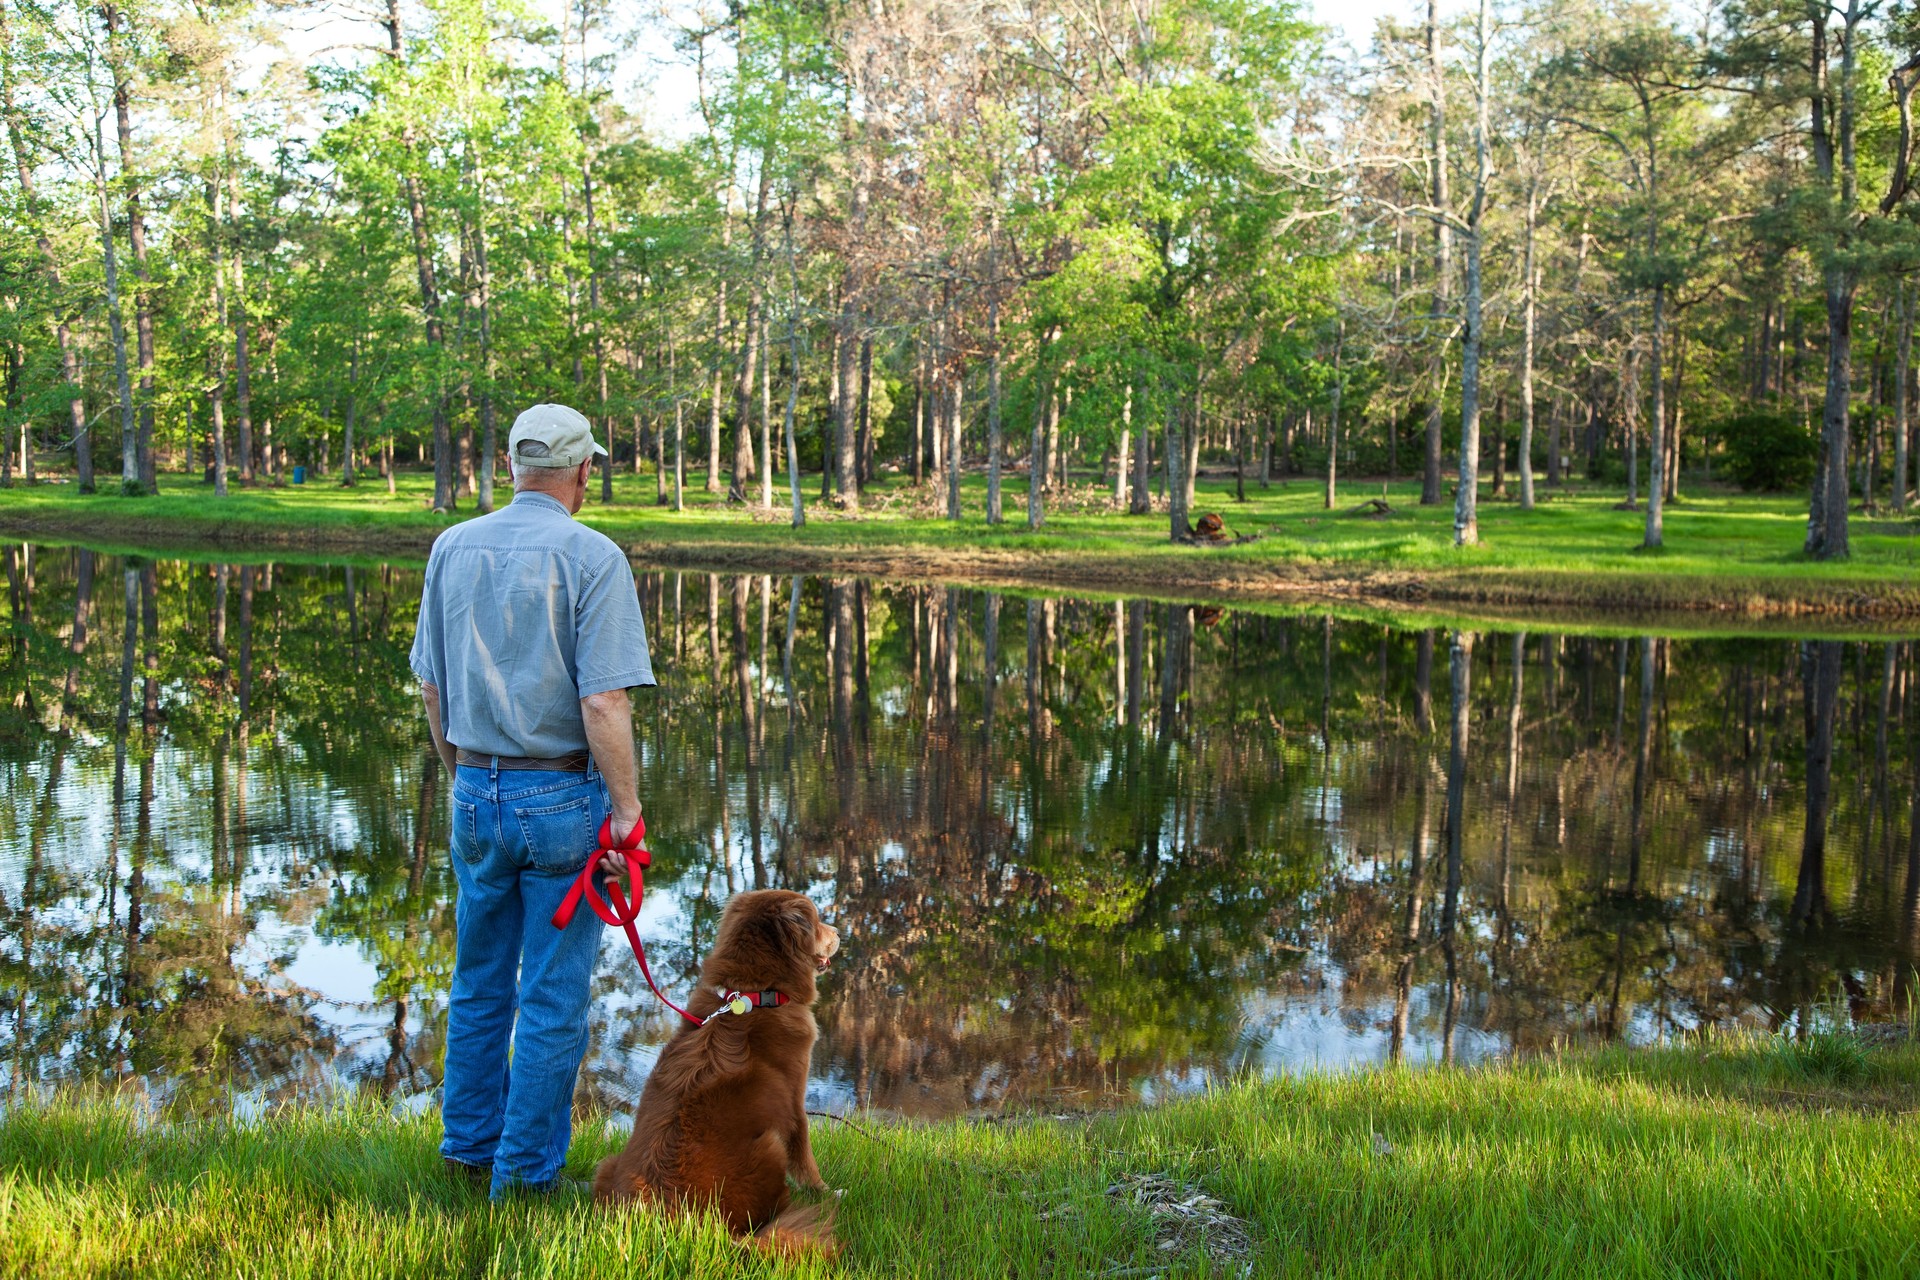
x=1082, y=852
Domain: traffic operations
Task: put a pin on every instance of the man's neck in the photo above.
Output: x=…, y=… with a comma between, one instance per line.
x=545, y=494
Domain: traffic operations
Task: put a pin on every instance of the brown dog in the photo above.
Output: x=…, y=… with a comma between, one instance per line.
x=723, y=1118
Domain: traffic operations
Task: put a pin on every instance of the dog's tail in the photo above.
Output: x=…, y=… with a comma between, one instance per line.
x=800, y=1230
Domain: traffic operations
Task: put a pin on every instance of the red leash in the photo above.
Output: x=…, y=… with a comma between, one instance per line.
x=616, y=911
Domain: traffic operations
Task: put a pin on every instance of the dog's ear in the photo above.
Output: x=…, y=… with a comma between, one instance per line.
x=788, y=928
x=801, y=919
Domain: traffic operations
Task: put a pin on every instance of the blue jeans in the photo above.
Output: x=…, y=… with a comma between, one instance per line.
x=519, y=839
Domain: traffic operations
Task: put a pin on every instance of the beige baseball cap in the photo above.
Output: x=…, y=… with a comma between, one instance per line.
x=552, y=435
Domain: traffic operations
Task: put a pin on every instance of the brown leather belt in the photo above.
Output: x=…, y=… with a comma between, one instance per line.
x=576, y=762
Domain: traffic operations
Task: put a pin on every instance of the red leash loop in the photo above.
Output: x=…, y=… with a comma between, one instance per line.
x=613, y=909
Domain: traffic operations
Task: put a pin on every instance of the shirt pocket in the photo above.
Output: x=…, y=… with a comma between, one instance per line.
x=561, y=837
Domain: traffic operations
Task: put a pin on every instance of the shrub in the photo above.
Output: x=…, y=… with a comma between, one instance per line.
x=1767, y=450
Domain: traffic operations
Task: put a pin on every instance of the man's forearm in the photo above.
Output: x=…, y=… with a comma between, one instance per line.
x=609, y=720
x=430, y=698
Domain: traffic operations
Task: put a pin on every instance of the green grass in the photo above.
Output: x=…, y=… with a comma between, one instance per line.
x=1723, y=550
x=1729, y=1159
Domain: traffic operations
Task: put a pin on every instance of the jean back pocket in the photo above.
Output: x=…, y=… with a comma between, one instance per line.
x=561, y=837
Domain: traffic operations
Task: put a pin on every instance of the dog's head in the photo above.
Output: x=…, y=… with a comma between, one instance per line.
x=771, y=939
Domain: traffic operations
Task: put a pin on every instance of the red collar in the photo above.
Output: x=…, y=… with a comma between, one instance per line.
x=743, y=1001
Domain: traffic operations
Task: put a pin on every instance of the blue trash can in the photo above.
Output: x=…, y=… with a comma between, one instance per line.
x=299, y=475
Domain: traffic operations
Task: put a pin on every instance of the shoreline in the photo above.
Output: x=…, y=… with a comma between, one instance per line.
x=1197, y=573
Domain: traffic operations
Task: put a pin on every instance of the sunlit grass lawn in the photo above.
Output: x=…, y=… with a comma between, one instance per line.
x=1734, y=1161
x=1729, y=540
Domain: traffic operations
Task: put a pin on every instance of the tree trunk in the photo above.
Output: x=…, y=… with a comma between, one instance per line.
x=489, y=429
x=765, y=460
x=659, y=460
x=920, y=413
x=1037, y=445
x=863, y=461
x=1239, y=459
x=1333, y=421
x=955, y=423
x=1556, y=442
x=1123, y=460
x=1052, y=403
x=1676, y=414
x=1466, y=506
x=1827, y=509
x=443, y=497
x=1530, y=285
x=16, y=357
x=1903, y=361
x=1176, y=457
x=793, y=395
x=750, y=343
x=1657, y=428
x=1191, y=468
x=993, y=409
x=1141, y=501
x=353, y=407
x=242, y=339
x=217, y=348
x=846, y=442
x=1442, y=257
x=1498, y=430
x=116, y=327
x=679, y=455
x=144, y=479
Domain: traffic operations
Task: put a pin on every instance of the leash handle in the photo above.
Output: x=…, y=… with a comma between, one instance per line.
x=614, y=909
x=637, y=859
x=632, y=839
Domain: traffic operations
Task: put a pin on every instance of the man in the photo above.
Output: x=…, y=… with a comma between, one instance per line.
x=529, y=639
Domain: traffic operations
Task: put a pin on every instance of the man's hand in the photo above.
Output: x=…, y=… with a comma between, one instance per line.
x=614, y=862
x=430, y=698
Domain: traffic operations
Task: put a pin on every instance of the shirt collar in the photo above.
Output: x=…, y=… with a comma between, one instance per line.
x=534, y=497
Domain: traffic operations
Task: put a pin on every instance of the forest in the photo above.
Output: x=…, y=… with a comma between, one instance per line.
x=1502, y=249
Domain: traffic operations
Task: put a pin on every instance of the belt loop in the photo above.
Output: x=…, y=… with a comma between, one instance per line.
x=593, y=767
x=493, y=770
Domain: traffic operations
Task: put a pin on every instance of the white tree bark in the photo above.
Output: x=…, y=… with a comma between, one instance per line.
x=1466, y=506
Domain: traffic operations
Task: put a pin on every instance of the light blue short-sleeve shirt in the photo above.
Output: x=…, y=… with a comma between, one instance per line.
x=525, y=612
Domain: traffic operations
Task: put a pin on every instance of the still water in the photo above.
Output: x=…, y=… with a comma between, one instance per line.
x=1080, y=851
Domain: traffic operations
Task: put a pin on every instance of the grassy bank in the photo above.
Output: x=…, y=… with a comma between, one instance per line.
x=1738, y=1161
x=1725, y=552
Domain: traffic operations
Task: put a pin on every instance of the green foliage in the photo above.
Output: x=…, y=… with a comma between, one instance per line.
x=1769, y=450
x=1828, y=1057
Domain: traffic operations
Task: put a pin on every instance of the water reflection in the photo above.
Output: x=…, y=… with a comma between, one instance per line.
x=1151, y=844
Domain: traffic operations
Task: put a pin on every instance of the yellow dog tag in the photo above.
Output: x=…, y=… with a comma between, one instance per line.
x=739, y=1004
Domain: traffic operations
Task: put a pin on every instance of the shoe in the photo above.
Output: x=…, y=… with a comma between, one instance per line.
x=475, y=1175
x=559, y=1188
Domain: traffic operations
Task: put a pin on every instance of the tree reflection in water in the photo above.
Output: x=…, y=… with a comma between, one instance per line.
x=1149, y=845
